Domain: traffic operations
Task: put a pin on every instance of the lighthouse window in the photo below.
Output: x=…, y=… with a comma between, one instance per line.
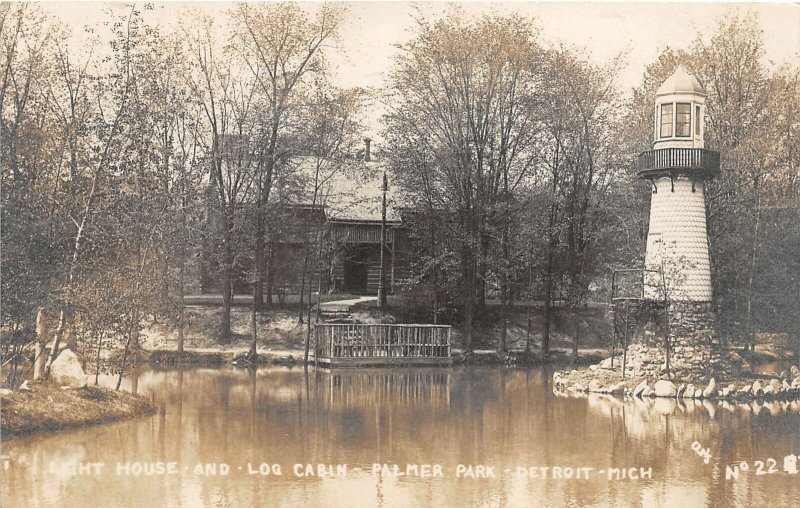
x=666, y=121
x=697, y=121
x=683, y=120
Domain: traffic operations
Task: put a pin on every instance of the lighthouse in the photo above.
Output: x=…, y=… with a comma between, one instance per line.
x=677, y=168
x=677, y=267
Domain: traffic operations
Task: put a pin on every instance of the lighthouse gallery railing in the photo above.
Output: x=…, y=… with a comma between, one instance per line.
x=679, y=158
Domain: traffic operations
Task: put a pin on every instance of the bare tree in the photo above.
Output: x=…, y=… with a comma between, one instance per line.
x=458, y=96
x=284, y=49
x=228, y=102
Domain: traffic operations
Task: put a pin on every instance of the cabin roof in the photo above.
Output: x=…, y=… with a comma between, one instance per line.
x=352, y=193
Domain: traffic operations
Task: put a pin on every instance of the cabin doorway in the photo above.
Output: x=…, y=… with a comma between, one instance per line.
x=355, y=273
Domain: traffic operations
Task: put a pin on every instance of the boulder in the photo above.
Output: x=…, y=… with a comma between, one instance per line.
x=711, y=390
x=698, y=394
x=795, y=371
x=796, y=382
x=665, y=388
x=688, y=393
x=66, y=370
x=594, y=386
x=725, y=392
x=617, y=389
x=758, y=389
x=24, y=386
x=648, y=392
x=785, y=387
x=6, y=391
x=681, y=390
x=640, y=388
x=775, y=385
x=744, y=392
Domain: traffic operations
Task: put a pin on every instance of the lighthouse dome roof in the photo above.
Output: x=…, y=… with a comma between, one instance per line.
x=681, y=82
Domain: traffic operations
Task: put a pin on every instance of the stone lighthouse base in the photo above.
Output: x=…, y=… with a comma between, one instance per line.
x=696, y=351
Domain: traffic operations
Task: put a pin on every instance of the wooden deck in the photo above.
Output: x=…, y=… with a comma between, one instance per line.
x=357, y=345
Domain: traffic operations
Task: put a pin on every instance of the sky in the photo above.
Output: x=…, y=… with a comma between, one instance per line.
x=604, y=29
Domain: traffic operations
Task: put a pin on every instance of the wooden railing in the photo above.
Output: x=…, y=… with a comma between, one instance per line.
x=361, y=233
x=382, y=341
x=679, y=158
x=629, y=284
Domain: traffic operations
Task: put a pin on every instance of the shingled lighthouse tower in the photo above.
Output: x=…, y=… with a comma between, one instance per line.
x=677, y=242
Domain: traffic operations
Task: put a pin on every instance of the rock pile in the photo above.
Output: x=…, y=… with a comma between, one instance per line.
x=774, y=389
x=648, y=361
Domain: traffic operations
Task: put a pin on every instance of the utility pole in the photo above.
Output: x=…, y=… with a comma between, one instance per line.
x=382, y=280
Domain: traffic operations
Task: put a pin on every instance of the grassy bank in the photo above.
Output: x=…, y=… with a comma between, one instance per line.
x=557, y=357
x=46, y=408
x=281, y=338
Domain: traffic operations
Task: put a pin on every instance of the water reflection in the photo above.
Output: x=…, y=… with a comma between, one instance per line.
x=485, y=416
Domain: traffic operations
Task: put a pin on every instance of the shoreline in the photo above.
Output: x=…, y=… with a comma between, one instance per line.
x=44, y=408
x=209, y=356
x=603, y=378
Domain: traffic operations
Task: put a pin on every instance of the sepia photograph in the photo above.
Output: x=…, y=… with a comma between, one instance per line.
x=399, y=254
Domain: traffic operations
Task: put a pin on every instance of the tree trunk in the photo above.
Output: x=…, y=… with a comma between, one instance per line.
x=41, y=344
x=468, y=295
x=227, y=284
x=547, y=318
x=135, y=329
x=56, y=342
x=164, y=266
x=480, y=296
x=504, y=325
x=258, y=285
x=227, y=300
x=268, y=276
x=753, y=260
x=528, y=330
x=97, y=358
x=125, y=352
x=308, y=326
x=318, y=316
x=254, y=342
x=302, y=286
x=320, y=271
x=435, y=278
x=505, y=278
x=308, y=321
x=576, y=339
x=181, y=290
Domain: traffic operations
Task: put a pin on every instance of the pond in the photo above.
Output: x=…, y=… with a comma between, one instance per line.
x=406, y=437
